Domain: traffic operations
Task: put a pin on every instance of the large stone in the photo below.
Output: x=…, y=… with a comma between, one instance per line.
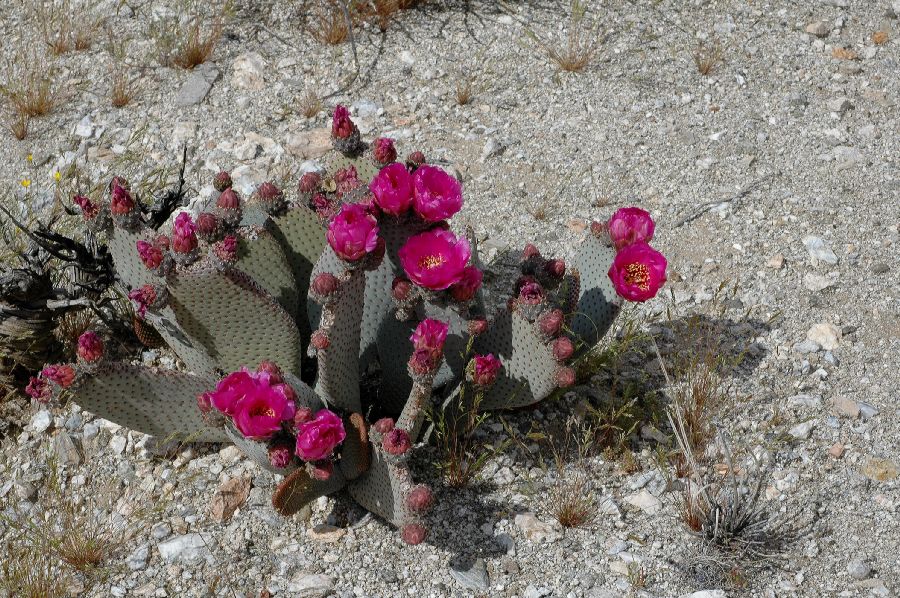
x=818, y=28
x=67, y=450
x=228, y=498
x=645, y=501
x=191, y=549
x=306, y=585
x=309, y=145
x=248, y=72
x=535, y=529
x=471, y=576
x=197, y=86
x=819, y=251
x=828, y=336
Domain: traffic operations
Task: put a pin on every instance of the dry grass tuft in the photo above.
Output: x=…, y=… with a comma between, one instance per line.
x=310, y=104
x=26, y=572
x=581, y=43
x=189, y=43
x=19, y=126
x=121, y=90
x=198, y=43
x=465, y=89
x=65, y=26
x=879, y=38
x=707, y=57
x=331, y=23
x=28, y=82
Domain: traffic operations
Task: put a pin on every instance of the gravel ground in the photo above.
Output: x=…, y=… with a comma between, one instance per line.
x=777, y=173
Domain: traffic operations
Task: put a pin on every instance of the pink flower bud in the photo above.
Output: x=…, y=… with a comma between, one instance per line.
x=309, y=182
x=276, y=376
x=121, y=202
x=341, y=125
x=204, y=402
x=530, y=251
x=90, y=347
x=563, y=348
x=227, y=249
x=63, y=375
x=229, y=200
x=415, y=159
x=162, y=242
x=551, y=322
x=396, y=442
x=630, y=225
x=271, y=198
x=184, y=238
x=280, y=455
x=565, y=377
x=477, y=326
x=353, y=232
x=302, y=415
x=383, y=425
x=420, y=499
x=222, y=181
x=88, y=208
x=151, y=255
x=322, y=470
x=207, y=225
x=383, y=150
x=484, y=369
x=413, y=533
x=400, y=289
x=320, y=340
x=324, y=284
x=468, y=284
x=598, y=229
x=555, y=268
x=39, y=389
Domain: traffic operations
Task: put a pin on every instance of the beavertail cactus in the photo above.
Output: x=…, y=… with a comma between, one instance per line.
x=279, y=308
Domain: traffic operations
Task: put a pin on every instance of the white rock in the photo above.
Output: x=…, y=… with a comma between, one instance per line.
x=85, y=127
x=802, y=431
x=535, y=529
x=817, y=282
x=828, y=336
x=138, y=559
x=189, y=548
x=365, y=108
x=645, y=501
x=705, y=594
x=305, y=585
x=248, y=70
x=117, y=444
x=41, y=421
x=819, y=251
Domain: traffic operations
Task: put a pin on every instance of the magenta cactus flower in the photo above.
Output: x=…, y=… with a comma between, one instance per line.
x=227, y=249
x=638, y=272
x=383, y=150
x=39, y=389
x=531, y=293
x=90, y=347
x=317, y=438
x=396, y=442
x=436, y=195
x=88, y=208
x=143, y=298
x=346, y=180
x=630, y=225
x=393, y=189
x=435, y=259
x=151, y=254
x=468, y=284
x=485, y=369
x=184, y=237
x=259, y=414
x=280, y=455
x=353, y=232
x=341, y=125
x=61, y=374
x=121, y=202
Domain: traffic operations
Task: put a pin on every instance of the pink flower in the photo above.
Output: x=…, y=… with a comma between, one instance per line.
x=467, y=285
x=231, y=390
x=630, y=225
x=151, y=255
x=435, y=259
x=90, y=347
x=392, y=188
x=396, y=442
x=383, y=150
x=143, y=298
x=88, y=208
x=428, y=345
x=317, y=439
x=121, y=201
x=226, y=249
x=38, y=389
x=63, y=375
x=353, y=232
x=341, y=125
x=531, y=293
x=638, y=272
x=280, y=455
x=346, y=180
x=259, y=414
x=485, y=369
x=184, y=238
x=437, y=195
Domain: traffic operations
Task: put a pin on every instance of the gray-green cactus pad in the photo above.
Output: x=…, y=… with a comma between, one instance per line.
x=261, y=256
x=162, y=403
x=598, y=303
x=383, y=489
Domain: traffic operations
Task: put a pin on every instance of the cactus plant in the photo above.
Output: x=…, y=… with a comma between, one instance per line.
x=361, y=269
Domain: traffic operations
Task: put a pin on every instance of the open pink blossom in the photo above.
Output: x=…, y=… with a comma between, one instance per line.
x=151, y=254
x=341, y=125
x=318, y=437
x=121, y=201
x=231, y=390
x=630, y=225
x=485, y=369
x=392, y=188
x=435, y=259
x=467, y=285
x=184, y=237
x=259, y=414
x=531, y=293
x=63, y=375
x=383, y=150
x=353, y=232
x=638, y=272
x=437, y=195
x=90, y=346
x=428, y=345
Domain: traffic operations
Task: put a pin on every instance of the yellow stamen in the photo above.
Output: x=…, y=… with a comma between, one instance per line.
x=638, y=274
x=429, y=262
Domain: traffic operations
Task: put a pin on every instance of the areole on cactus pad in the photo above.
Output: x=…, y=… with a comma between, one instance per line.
x=280, y=308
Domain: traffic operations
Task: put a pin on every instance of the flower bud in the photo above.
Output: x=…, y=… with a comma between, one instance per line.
x=309, y=182
x=420, y=499
x=383, y=425
x=276, y=376
x=551, y=322
x=477, y=326
x=415, y=159
x=555, y=268
x=204, y=402
x=302, y=415
x=565, y=377
x=530, y=251
x=280, y=455
x=222, y=181
x=383, y=150
x=324, y=284
x=413, y=533
x=563, y=348
x=90, y=347
x=321, y=470
x=401, y=288
x=320, y=340
x=396, y=442
x=207, y=226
